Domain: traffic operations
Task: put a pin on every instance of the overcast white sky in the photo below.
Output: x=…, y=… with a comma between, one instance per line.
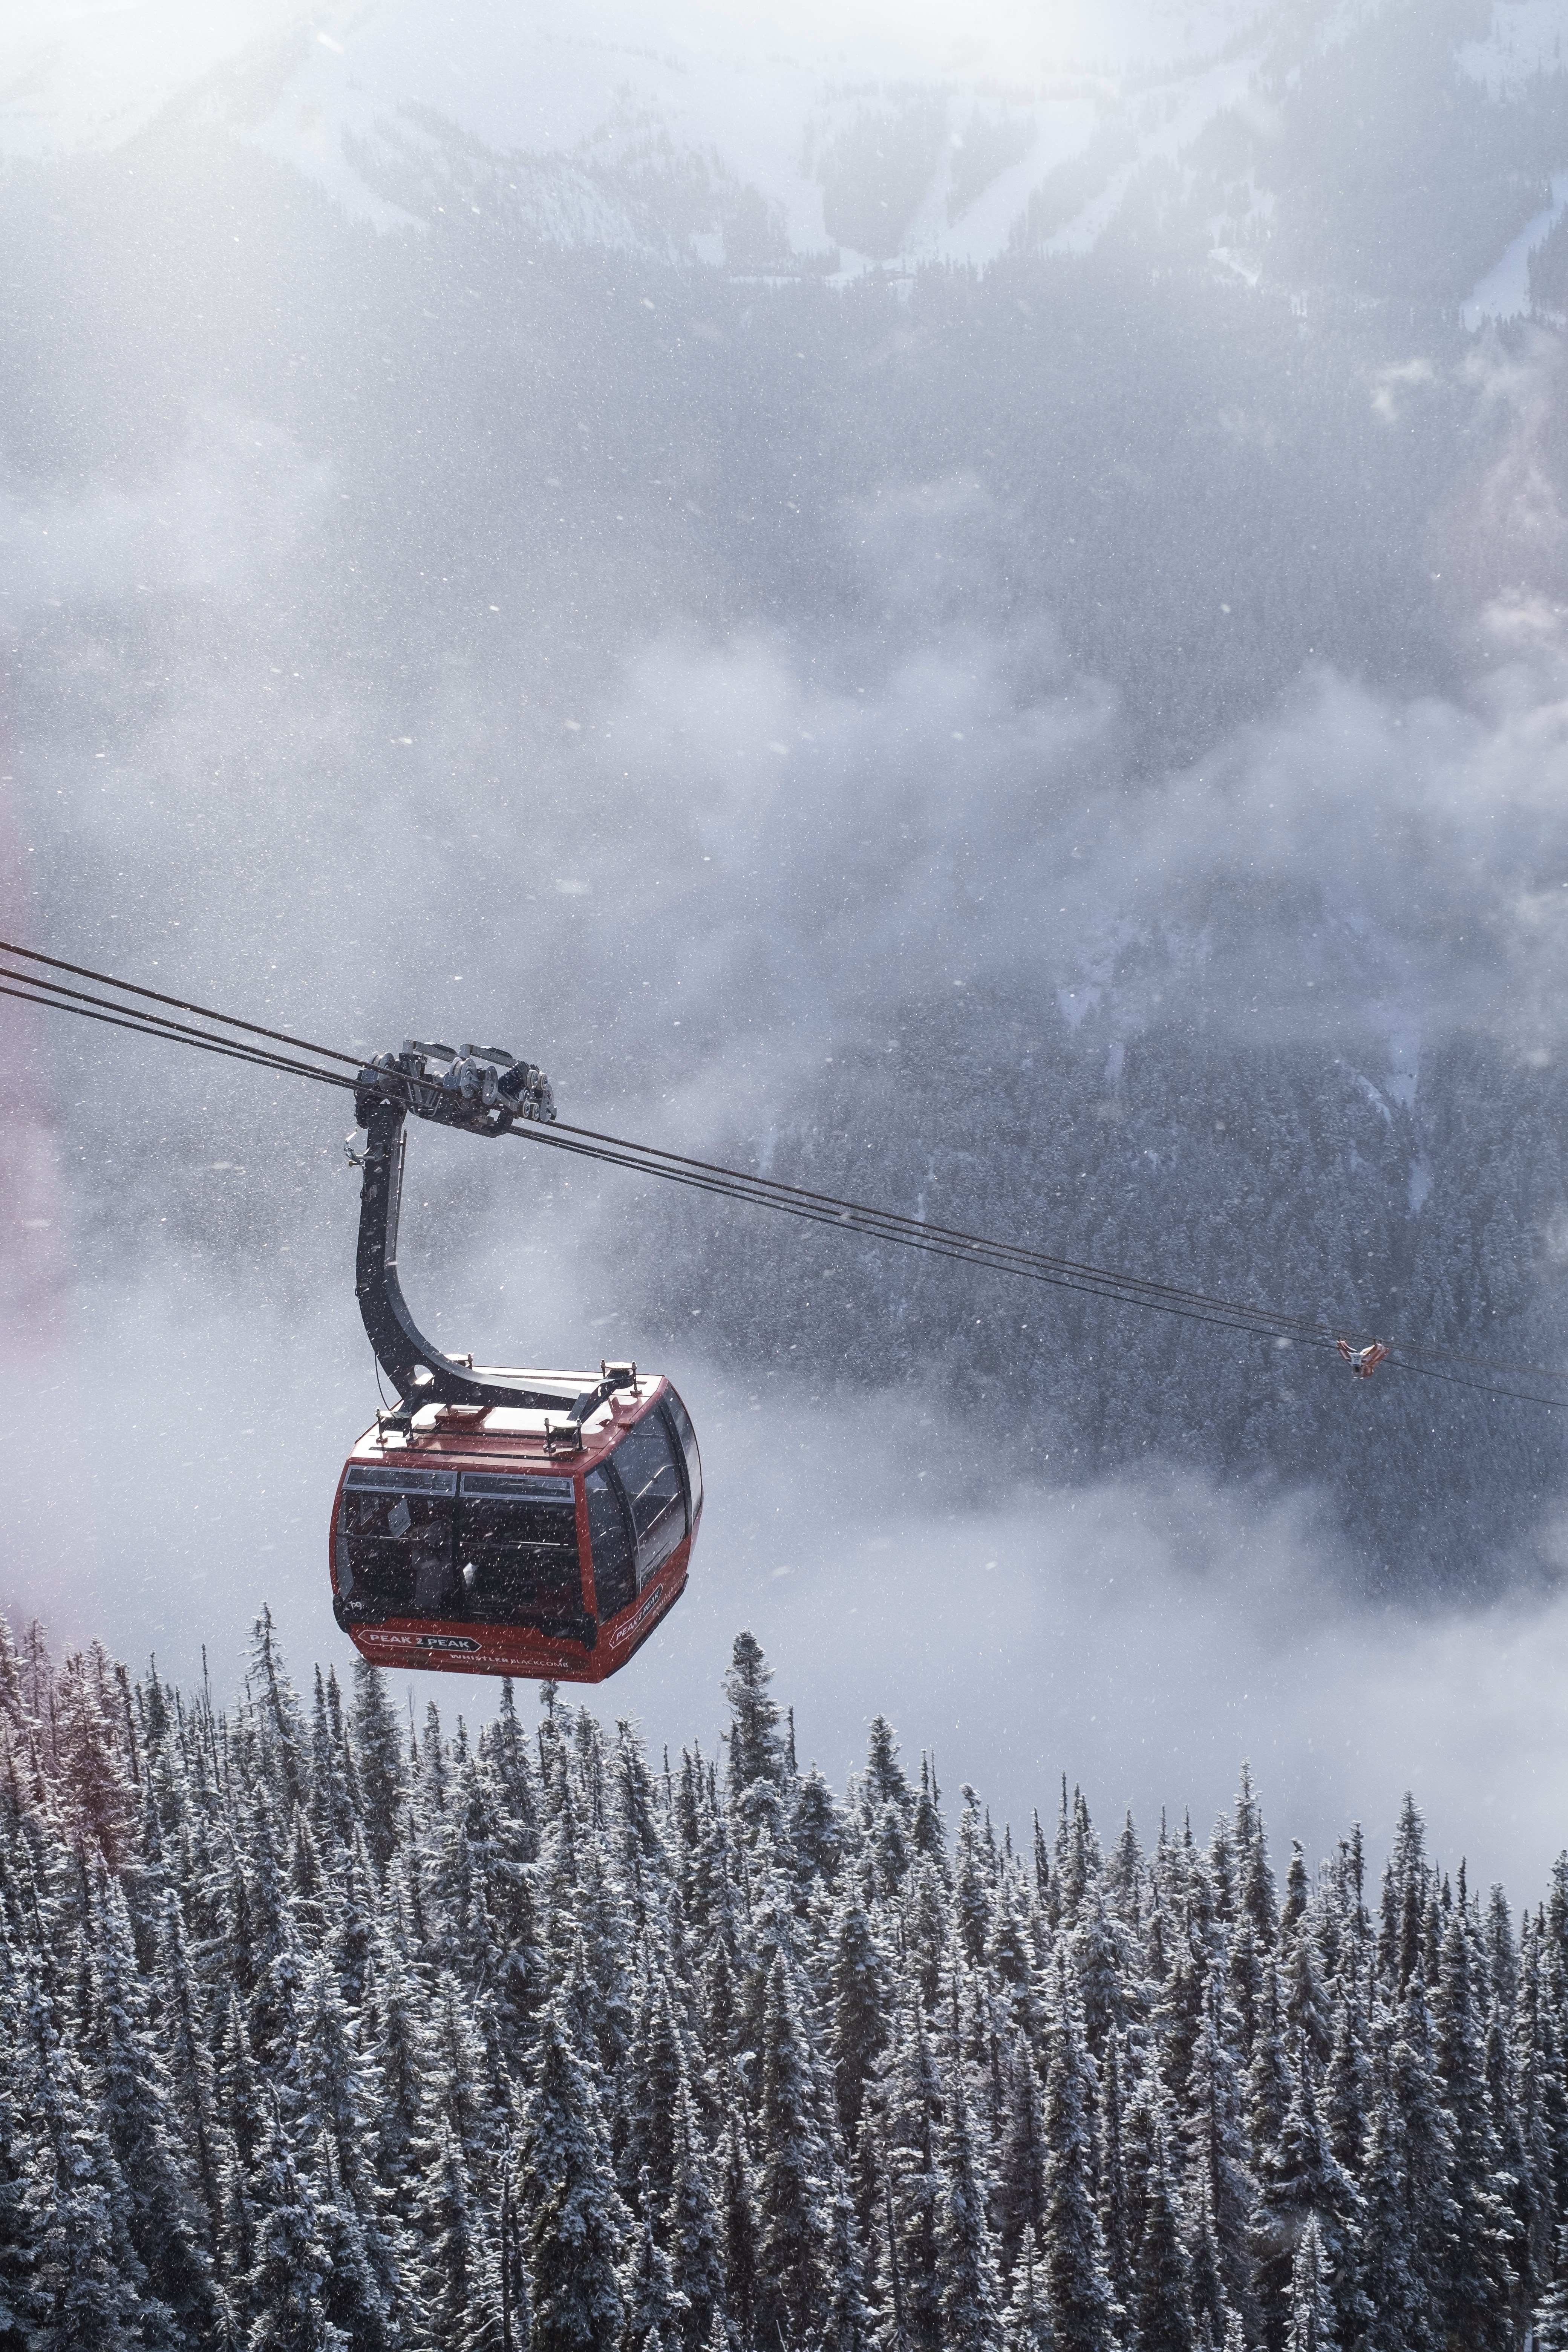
x=147, y=44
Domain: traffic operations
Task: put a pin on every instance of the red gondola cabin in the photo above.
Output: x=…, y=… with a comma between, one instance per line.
x=473, y=1541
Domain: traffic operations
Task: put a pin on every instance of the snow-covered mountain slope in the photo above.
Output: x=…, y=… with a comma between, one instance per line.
x=1524, y=39
x=725, y=137
x=832, y=140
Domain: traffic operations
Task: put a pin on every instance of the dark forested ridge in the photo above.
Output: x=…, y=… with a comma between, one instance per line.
x=322, y=2031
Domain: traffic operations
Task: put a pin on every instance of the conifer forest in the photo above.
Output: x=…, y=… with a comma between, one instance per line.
x=325, y=2029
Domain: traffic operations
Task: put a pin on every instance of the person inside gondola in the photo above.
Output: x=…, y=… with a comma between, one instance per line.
x=437, y=1588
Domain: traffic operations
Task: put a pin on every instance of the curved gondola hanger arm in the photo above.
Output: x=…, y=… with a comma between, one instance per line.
x=483, y=1090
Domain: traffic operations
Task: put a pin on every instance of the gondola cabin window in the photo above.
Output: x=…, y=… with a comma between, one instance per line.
x=680, y=1421
x=610, y=1535
x=650, y=1473
x=395, y=1541
x=517, y=1551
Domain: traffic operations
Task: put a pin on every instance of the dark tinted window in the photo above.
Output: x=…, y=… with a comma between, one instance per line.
x=651, y=1476
x=395, y=1543
x=682, y=1421
x=517, y=1552
x=614, y=1571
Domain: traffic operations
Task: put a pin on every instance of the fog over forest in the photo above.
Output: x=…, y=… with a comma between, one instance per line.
x=979, y=628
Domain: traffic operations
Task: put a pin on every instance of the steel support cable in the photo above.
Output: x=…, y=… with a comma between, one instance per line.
x=158, y=1025
x=824, y=1209
x=889, y=1224
x=131, y=987
x=1322, y=1341
x=721, y=1184
x=1481, y=1388
x=764, y=1189
x=1091, y=1283
x=934, y=1247
x=983, y=1266
x=149, y=1025
x=1135, y=1290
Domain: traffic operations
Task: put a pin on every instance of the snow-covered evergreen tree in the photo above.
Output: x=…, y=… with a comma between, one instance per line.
x=1026, y=2324
x=692, y=2233
x=317, y=2035
x=1021, y=2172
x=1480, y=2282
x=575, y=2227
x=22, y=2168
x=654, y=2305
x=738, y=2235
x=910, y=2102
x=1162, y=2310
x=857, y=1996
x=1311, y=2328
x=1079, y=2292
x=970, y=2317
x=284, y=2306
x=793, y=2176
